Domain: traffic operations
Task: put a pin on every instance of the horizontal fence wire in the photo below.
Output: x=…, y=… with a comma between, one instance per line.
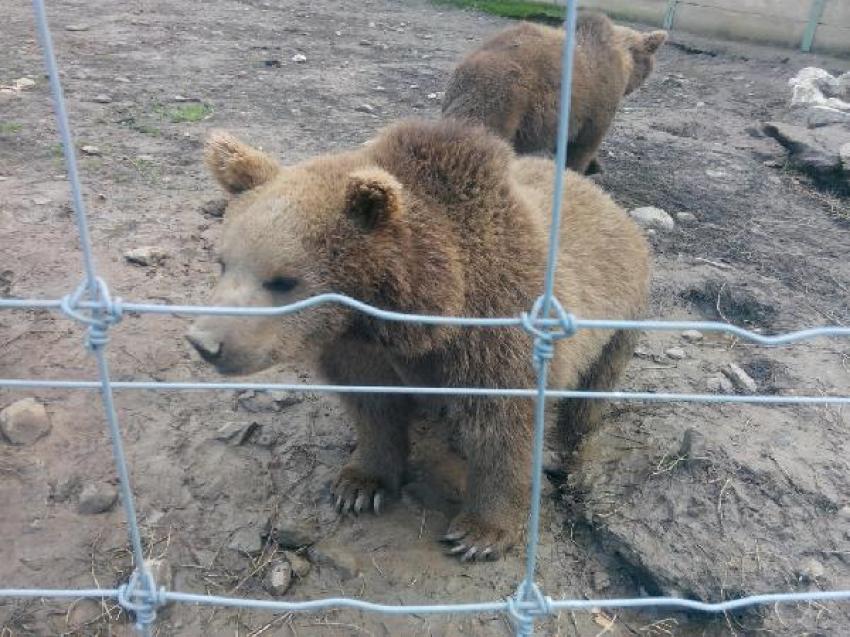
x=92, y=306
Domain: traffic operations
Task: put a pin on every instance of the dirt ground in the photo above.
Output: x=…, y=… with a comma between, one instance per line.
x=708, y=501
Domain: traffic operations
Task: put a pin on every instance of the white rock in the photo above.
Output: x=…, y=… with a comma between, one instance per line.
x=686, y=217
x=299, y=58
x=365, y=108
x=741, y=379
x=692, y=336
x=23, y=83
x=719, y=384
x=24, y=422
x=146, y=255
x=676, y=353
x=97, y=498
x=278, y=578
x=90, y=150
x=652, y=217
x=77, y=27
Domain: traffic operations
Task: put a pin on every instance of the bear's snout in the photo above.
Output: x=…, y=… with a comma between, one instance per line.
x=206, y=344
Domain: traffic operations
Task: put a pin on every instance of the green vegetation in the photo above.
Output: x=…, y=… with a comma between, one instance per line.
x=519, y=9
x=186, y=113
x=10, y=128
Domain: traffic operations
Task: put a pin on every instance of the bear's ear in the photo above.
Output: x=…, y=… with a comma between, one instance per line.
x=373, y=198
x=650, y=42
x=235, y=165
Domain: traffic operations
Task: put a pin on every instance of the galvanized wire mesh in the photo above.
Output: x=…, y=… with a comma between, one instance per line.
x=92, y=306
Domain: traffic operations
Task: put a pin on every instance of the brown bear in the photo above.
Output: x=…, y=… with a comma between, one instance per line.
x=512, y=84
x=434, y=218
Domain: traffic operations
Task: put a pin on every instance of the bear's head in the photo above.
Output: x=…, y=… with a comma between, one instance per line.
x=334, y=224
x=641, y=48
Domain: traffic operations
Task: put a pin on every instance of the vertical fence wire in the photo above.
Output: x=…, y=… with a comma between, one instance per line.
x=99, y=321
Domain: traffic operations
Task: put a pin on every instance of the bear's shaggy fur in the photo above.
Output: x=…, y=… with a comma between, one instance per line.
x=512, y=84
x=431, y=218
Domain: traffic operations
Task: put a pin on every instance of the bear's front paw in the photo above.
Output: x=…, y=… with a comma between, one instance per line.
x=473, y=538
x=356, y=491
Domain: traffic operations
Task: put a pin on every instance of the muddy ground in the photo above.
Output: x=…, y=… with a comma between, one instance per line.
x=708, y=501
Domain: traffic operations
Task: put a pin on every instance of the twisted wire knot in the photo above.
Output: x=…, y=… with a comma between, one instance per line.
x=142, y=602
x=544, y=339
x=99, y=316
x=523, y=618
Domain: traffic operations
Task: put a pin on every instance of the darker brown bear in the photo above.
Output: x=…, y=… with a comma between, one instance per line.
x=435, y=218
x=511, y=84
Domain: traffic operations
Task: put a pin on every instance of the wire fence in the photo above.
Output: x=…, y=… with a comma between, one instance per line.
x=92, y=306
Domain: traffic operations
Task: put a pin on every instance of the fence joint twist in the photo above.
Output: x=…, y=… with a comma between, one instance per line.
x=141, y=598
x=523, y=617
x=544, y=339
x=99, y=316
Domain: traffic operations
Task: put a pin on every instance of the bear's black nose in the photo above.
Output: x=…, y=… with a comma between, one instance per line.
x=208, y=347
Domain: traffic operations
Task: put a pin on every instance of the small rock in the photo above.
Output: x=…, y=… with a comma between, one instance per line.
x=278, y=578
x=214, y=208
x=123, y=80
x=439, y=95
x=693, y=445
x=692, y=336
x=40, y=201
x=77, y=27
x=236, y=433
x=811, y=570
x=23, y=83
x=686, y=217
x=341, y=560
x=24, y=422
x=741, y=379
x=97, y=498
x=652, y=217
x=260, y=401
x=676, y=353
x=183, y=98
x=293, y=534
x=94, y=151
x=247, y=540
x=300, y=565
x=146, y=255
x=719, y=384
x=642, y=352
x=102, y=98
x=299, y=58
x=365, y=108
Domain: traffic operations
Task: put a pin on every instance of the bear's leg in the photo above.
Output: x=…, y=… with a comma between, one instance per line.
x=377, y=464
x=497, y=440
x=577, y=417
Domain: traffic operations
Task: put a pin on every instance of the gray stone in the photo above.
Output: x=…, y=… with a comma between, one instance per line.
x=686, y=217
x=676, y=353
x=24, y=422
x=93, y=151
x=719, y=384
x=642, y=352
x=236, y=433
x=364, y=108
x=815, y=150
x=278, y=578
x=299, y=58
x=693, y=446
x=102, y=98
x=300, y=565
x=77, y=27
x=246, y=540
x=146, y=255
x=740, y=379
x=692, y=336
x=262, y=401
x=652, y=217
x=97, y=498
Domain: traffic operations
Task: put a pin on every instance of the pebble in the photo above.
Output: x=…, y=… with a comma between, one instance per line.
x=300, y=565
x=97, y=498
x=123, y=80
x=719, y=384
x=642, y=352
x=90, y=150
x=236, y=433
x=693, y=445
x=740, y=379
x=146, y=255
x=652, y=217
x=299, y=58
x=365, y=108
x=77, y=27
x=278, y=578
x=23, y=83
x=692, y=336
x=246, y=540
x=24, y=422
x=686, y=217
x=259, y=401
x=102, y=98
x=676, y=353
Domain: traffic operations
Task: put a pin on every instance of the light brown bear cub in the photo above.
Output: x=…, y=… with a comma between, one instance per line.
x=431, y=218
x=512, y=84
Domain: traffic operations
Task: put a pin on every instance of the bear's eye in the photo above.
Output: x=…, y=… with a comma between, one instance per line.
x=280, y=284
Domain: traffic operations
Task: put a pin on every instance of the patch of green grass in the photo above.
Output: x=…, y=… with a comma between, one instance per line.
x=191, y=113
x=518, y=9
x=10, y=128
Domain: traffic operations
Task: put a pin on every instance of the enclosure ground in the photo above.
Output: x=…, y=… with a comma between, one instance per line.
x=698, y=500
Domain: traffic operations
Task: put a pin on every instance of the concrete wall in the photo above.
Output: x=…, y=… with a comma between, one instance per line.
x=781, y=22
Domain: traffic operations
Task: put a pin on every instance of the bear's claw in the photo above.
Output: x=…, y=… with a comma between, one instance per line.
x=472, y=539
x=355, y=493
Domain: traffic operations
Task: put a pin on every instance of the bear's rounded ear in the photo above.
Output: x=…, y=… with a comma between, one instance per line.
x=235, y=165
x=651, y=42
x=373, y=198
